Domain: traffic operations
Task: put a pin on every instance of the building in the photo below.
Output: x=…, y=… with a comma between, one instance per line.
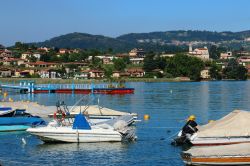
x=43, y=49
x=49, y=73
x=136, y=72
x=118, y=74
x=42, y=64
x=27, y=55
x=107, y=60
x=244, y=59
x=136, y=60
x=96, y=73
x=13, y=61
x=167, y=55
x=84, y=74
x=5, y=54
x=201, y=53
x=205, y=74
x=137, y=52
x=227, y=55
x=5, y=72
x=63, y=51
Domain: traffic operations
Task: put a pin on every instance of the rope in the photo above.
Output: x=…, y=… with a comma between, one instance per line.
x=168, y=138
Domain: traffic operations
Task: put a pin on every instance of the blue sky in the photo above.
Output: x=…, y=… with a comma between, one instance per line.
x=38, y=20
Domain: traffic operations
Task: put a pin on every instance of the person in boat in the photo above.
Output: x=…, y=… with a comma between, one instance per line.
x=187, y=130
x=190, y=127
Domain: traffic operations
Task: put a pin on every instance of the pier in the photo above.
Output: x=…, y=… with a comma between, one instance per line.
x=31, y=87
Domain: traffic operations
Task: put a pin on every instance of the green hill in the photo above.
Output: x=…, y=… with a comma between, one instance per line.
x=157, y=41
x=85, y=41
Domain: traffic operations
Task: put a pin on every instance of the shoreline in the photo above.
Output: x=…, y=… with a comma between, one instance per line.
x=88, y=81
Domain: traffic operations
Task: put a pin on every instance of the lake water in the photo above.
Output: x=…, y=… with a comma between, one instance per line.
x=168, y=105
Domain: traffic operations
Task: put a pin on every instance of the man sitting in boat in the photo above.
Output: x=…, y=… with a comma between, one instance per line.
x=190, y=127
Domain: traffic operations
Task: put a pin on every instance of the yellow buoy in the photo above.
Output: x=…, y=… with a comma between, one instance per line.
x=146, y=117
x=210, y=121
x=10, y=100
x=5, y=94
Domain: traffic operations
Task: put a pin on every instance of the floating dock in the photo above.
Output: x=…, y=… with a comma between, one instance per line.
x=31, y=87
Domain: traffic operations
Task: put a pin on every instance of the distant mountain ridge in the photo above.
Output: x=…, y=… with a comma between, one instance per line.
x=144, y=40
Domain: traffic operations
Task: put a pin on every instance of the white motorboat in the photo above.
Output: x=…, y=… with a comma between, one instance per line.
x=234, y=128
x=82, y=131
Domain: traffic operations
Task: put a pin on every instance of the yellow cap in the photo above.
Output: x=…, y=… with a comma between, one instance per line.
x=191, y=117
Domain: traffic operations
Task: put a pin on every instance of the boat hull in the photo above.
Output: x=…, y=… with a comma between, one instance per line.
x=67, y=134
x=219, y=141
x=13, y=128
x=220, y=160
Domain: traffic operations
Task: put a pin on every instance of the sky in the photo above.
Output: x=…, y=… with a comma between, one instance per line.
x=39, y=20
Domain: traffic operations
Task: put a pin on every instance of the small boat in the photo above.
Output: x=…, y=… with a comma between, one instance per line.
x=30, y=121
x=81, y=131
x=237, y=154
x=7, y=112
x=14, y=128
x=19, y=123
x=234, y=128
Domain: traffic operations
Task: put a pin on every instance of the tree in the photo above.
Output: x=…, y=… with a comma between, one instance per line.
x=119, y=64
x=235, y=71
x=108, y=71
x=149, y=63
x=183, y=65
x=214, y=71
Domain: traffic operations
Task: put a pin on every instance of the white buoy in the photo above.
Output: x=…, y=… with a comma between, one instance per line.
x=171, y=91
x=24, y=141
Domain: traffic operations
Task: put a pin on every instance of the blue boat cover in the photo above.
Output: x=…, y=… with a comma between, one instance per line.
x=31, y=121
x=81, y=122
x=5, y=108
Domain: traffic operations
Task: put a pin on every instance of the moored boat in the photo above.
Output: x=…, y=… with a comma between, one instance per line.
x=6, y=112
x=234, y=128
x=237, y=154
x=82, y=131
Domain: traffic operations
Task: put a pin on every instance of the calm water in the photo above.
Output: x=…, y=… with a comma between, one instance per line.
x=168, y=105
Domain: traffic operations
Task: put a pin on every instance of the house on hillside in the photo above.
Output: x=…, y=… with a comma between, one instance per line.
x=201, y=53
x=13, y=61
x=227, y=55
x=84, y=74
x=49, y=73
x=118, y=74
x=5, y=72
x=42, y=64
x=5, y=54
x=43, y=49
x=96, y=73
x=137, y=52
x=136, y=72
x=205, y=73
x=136, y=60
